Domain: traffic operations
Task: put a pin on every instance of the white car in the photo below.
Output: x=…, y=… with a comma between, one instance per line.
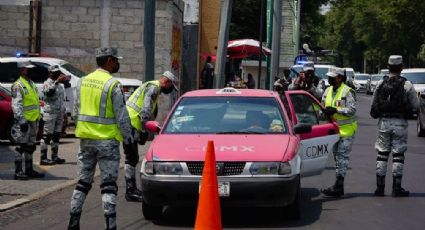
x=361, y=80
x=9, y=73
x=417, y=77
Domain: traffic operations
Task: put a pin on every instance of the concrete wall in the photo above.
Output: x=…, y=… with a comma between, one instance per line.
x=71, y=30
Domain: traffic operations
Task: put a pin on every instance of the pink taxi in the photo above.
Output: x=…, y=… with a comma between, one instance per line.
x=264, y=144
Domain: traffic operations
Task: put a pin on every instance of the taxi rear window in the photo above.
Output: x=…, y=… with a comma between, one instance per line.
x=227, y=115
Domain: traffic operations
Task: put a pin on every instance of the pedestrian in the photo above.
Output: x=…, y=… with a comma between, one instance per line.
x=307, y=81
x=53, y=116
x=307, y=48
x=141, y=106
x=208, y=74
x=393, y=102
x=101, y=123
x=341, y=107
x=281, y=84
x=26, y=112
x=250, y=84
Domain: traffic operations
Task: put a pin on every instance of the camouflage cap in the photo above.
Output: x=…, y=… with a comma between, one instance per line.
x=395, y=60
x=25, y=64
x=107, y=51
x=308, y=66
x=172, y=78
x=53, y=68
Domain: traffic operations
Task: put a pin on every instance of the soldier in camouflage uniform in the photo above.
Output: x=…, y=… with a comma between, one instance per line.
x=54, y=110
x=307, y=81
x=340, y=104
x=26, y=111
x=141, y=106
x=102, y=121
x=393, y=102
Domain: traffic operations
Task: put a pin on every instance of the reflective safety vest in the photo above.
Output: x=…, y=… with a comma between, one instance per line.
x=135, y=103
x=96, y=118
x=347, y=125
x=30, y=99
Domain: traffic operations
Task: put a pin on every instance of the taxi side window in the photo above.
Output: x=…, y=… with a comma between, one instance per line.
x=305, y=109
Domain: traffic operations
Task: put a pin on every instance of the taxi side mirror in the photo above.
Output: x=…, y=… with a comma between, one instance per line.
x=152, y=126
x=302, y=128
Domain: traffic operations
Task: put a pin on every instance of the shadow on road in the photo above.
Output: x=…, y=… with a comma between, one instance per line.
x=251, y=217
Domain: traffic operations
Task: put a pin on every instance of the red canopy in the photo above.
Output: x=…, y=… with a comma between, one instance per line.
x=242, y=48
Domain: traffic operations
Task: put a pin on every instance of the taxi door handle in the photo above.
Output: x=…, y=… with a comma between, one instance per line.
x=331, y=131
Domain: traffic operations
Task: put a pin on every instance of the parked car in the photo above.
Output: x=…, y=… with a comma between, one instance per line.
x=417, y=77
x=371, y=84
x=384, y=71
x=6, y=113
x=361, y=80
x=421, y=116
x=239, y=121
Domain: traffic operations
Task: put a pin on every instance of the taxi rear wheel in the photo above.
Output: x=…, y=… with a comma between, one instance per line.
x=151, y=212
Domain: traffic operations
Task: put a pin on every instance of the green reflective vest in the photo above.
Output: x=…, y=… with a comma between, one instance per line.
x=135, y=103
x=30, y=99
x=96, y=118
x=347, y=125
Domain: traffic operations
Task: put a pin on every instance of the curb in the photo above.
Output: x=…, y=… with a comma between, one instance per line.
x=42, y=193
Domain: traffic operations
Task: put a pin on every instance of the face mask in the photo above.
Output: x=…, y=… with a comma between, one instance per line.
x=167, y=90
x=116, y=67
x=332, y=81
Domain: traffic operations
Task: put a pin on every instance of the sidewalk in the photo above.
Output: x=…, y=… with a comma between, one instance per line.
x=14, y=193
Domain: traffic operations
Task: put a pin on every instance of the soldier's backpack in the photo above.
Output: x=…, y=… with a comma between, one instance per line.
x=390, y=99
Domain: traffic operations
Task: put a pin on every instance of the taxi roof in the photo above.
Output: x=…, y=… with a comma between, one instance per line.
x=229, y=91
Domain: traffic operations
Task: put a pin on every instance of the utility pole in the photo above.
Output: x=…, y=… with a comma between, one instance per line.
x=277, y=23
x=149, y=40
x=260, y=40
x=34, y=46
x=269, y=39
x=106, y=15
x=223, y=38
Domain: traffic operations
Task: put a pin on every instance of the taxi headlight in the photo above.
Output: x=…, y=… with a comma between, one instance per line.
x=167, y=168
x=264, y=168
x=285, y=168
x=148, y=168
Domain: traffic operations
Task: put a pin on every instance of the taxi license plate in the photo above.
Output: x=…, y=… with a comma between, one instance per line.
x=223, y=189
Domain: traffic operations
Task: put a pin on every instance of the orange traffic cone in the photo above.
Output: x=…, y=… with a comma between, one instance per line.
x=208, y=215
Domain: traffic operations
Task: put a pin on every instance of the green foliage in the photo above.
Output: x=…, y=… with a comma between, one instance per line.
x=245, y=21
x=376, y=29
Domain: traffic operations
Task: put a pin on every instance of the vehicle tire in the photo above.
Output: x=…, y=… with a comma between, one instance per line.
x=419, y=128
x=151, y=212
x=293, y=211
x=9, y=134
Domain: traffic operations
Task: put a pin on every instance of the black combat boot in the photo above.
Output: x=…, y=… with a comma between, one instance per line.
x=19, y=174
x=111, y=221
x=380, y=186
x=74, y=221
x=397, y=189
x=337, y=189
x=30, y=172
x=57, y=159
x=131, y=191
x=44, y=160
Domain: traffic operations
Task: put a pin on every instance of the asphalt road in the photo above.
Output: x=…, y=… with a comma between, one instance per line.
x=358, y=209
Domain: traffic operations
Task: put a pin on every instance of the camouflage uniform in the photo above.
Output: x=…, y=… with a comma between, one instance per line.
x=317, y=92
x=26, y=140
x=392, y=138
x=342, y=148
x=104, y=152
x=54, y=110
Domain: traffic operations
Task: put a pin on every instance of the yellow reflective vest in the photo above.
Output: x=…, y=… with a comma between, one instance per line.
x=347, y=125
x=30, y=99
x=96, y=118
x=135, y=103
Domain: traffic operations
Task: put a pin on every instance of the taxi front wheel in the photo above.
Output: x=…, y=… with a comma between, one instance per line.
x=151, y=212
x=293, y=211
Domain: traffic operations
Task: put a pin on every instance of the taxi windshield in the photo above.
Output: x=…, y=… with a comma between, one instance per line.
x=227, y=115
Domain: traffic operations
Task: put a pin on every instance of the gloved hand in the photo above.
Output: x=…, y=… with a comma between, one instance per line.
x=143, y=138
x=24, y=126
x=330, y=111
